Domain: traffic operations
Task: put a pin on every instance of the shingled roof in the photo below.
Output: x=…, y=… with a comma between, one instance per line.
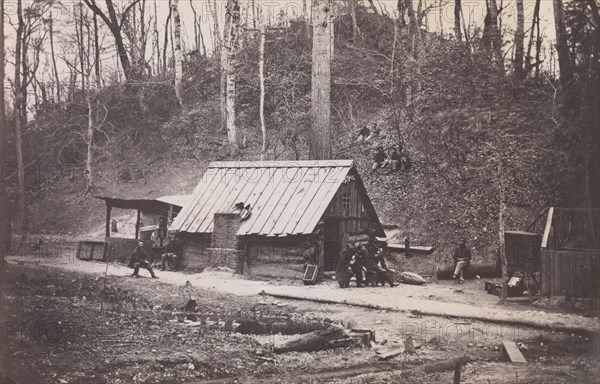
x=287, y=198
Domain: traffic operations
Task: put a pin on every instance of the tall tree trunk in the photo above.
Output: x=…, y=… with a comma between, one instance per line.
x=166, y=42
x=354, y=25
x=53, y=56
x=414, y=28
x=20, y=82
x=5, y=227
x=261, y=75
x=320, y=138
x=217, y=44
x=225, y=48
x=231, y=73
x=97, y=53
x=81, y=43
x=562, y=47
x=519, y=41
x=457, y=28
x=178, y=54
x=401, y=12
x=492, y=39
x=501, y=223
x=156, y=40
x=534, y=23
x=196, y=40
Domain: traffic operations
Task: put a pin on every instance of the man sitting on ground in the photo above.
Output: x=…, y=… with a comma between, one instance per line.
x=379, y=159
x=138, y=259
x=462, y=259
x=172, y=255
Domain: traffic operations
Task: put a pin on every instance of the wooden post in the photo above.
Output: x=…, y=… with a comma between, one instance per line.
x=108, y=210
x=137, y=224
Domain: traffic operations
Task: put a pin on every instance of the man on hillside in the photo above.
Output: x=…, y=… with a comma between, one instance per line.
x=462, y=259
x=138, y=259
x=379, y=159
x=173, y=252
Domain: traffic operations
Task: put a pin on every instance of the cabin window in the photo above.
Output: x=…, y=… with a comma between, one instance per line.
x=345, y=200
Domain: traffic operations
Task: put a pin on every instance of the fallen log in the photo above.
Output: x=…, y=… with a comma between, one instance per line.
x=330, y=338
x=439, y=366
x=481, y=270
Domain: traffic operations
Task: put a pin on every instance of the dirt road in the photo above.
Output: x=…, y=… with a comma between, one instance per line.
x=135, y=337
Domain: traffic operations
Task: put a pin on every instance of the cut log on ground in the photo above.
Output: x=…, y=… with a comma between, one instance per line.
x=481, y=270
x=439, y=366
x=316, y=341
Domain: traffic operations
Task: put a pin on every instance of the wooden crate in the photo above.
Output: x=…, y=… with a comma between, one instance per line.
x=91, y=250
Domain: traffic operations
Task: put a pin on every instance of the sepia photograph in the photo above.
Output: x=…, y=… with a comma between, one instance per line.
x=300, y=191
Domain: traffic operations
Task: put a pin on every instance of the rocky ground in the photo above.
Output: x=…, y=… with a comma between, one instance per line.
x=76, y=327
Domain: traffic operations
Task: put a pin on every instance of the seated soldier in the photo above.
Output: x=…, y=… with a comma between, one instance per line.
x=379, y=159
x=173, y=252
x=462, y=259
x=138, y=259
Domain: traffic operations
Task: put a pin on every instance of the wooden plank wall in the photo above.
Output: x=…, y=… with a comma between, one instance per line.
x=355, y=219
x=571, y=273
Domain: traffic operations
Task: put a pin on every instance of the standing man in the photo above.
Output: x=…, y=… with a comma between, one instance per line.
x=173, y=252
x=462, y=259
x=138, y=259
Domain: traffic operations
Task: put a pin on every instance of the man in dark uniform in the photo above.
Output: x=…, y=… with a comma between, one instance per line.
x=462, y=259
x=343, y=272
x=173, y=252
x=138, y=259
x=382, y=269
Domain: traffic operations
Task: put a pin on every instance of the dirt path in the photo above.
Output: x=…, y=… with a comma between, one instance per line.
x=165, y=351
x=467, y=301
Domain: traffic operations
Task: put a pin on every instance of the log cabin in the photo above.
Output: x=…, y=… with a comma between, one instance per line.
x=259, y=218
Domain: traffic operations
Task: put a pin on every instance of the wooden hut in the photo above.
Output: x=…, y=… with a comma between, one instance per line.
x=292, y=205
x=571, y=253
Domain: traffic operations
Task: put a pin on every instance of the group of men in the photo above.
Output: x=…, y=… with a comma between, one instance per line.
x=170, y=258
x=366, y=262
x=395, y=160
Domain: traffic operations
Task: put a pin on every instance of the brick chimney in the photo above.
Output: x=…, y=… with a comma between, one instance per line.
x=226, y=226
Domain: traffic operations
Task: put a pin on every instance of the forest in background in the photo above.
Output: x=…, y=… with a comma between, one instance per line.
x=495, y=131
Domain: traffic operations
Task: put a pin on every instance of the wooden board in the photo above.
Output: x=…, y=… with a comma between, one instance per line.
x=513, y=352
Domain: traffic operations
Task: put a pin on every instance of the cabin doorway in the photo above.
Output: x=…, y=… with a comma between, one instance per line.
x=332, y=243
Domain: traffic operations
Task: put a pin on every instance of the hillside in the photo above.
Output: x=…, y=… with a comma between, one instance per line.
x=440, y=107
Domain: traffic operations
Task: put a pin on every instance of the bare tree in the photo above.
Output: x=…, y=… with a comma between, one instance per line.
x=115, y=24
x=535, y=25
x=166, y=42
x=261, y=75
x=53, y=57
x=492, y=39
x=5, y=228
x=519, y=41
x=457, y=11
x=320, y=138
x=178, y=55
x=562, y=48
x=414, y=27
x=225, y=48
x=231, y=72
x=20, y=117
